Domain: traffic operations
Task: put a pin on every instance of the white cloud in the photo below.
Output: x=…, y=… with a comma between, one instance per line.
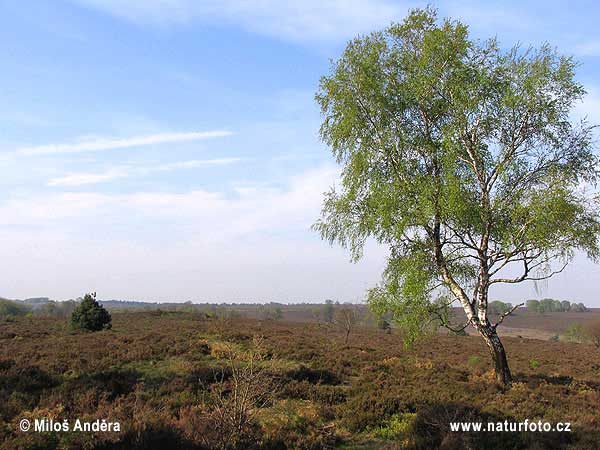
x=81, y=179
x=307, y=20
x=94, y=144
x=201, y=245
x=40, y=210
x=213, y=215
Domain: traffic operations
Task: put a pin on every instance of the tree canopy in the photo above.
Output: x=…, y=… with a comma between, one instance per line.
x=462, y=158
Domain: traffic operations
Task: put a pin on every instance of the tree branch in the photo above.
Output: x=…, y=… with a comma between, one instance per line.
x=506, y=314
x=524, y=277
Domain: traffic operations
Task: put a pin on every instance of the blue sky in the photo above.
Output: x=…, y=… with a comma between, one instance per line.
x=168, y=149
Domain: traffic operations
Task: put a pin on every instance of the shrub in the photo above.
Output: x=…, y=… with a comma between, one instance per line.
x=298, y=426
x=266, y=312
x=346, y=319
x=203, y=347
x=236, y=401
x=592, y=332
x=314, y=375
x=474, y=360
x=534, y=364
x=384, y=324
x=497, y=307
x=373, y=400
x=460, y=332
x=431, y=429
x=397, y=426
x=574, y=332
x=221, y=350
x=90, y=315
x=9, y=308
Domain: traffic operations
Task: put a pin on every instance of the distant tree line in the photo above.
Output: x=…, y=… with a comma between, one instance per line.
x=50, y=308
x=9, y=308
x=86, y=313
x=552, y=305
x=498, y=307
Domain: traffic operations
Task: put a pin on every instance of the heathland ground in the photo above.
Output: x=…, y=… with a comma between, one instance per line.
x=163, y=375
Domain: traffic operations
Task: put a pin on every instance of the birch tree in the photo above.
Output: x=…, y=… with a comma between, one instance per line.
x=345, y=318
x=464, y=161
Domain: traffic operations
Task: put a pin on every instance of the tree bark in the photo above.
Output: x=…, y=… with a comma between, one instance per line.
x=492, y=340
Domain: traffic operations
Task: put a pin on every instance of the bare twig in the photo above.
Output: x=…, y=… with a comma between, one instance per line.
x=506, y=314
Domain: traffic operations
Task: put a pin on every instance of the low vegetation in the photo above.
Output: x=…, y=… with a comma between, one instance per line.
x=9, y=308
x=592, y=332
x=187, y=381
x=346, y=318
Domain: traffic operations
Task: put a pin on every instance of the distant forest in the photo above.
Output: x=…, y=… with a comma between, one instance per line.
x=44, y=307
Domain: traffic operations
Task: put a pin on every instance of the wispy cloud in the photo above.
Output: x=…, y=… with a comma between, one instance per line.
x=83, y=178
x=180, y=245
x=215, y=212
x=96, y=144
x=195, y=163
x=308, y=20
x=80, y=179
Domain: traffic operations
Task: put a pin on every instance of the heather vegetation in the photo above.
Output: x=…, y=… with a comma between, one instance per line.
x=188, y=380
x=592, y=332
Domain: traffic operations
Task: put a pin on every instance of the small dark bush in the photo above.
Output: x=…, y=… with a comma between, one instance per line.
x=90, y=315
x=314, y=376
x=27, y=379
x=299, y=432
x=113, y=382
x=369, y=408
